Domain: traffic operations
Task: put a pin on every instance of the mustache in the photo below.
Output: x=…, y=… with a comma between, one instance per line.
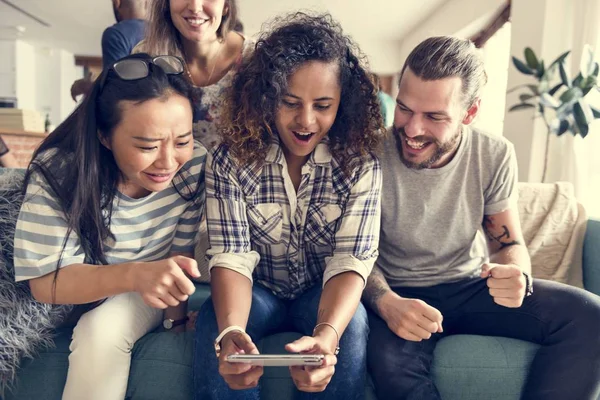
x=401, y=133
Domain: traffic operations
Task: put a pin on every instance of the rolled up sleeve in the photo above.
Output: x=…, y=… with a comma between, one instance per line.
x=357, y=238
x=228, y=228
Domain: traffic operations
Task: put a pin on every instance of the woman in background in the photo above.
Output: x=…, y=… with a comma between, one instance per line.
x=201, y=32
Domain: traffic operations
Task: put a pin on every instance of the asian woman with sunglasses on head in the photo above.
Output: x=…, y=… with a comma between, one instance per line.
x=113, y=200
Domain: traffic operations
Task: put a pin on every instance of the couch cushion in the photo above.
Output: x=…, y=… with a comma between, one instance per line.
x=553, y=224
x=199, y=297
x=591, y=257
x=468, y=367
x=465, y=368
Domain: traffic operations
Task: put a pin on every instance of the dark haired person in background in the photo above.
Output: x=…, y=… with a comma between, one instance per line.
x=119, y=39
x=7, y=159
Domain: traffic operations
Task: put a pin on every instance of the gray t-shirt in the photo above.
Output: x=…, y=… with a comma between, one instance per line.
x=431, y=218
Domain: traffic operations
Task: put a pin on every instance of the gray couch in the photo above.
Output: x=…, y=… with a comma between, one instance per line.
x=465, y=367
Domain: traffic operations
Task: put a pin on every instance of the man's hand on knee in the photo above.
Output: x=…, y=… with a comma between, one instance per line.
x=411, y=319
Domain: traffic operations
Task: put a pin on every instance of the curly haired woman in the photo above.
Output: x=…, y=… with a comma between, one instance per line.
x=293, y=213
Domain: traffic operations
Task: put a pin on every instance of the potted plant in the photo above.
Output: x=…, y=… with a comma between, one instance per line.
x=559, y=100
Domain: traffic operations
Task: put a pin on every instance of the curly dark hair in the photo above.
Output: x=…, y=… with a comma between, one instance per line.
x=251, y=104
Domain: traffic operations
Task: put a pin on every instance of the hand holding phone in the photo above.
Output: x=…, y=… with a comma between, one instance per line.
x=313, y=379
x=238, y=376
x=277, y=360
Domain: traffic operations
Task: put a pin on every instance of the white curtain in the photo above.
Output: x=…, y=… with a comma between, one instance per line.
x=577, y=159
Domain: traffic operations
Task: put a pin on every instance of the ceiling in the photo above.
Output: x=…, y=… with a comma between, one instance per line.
x=77, y=25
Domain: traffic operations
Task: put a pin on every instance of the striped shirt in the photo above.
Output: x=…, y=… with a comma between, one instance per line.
x=145, y=229
x=286, y=241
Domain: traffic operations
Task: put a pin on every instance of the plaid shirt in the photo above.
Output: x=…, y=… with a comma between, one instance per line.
x=259, y=227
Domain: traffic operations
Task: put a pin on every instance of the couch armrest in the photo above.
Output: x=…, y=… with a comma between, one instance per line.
x=591, y=257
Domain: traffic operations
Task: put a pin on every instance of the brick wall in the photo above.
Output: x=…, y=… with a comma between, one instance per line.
x=22, y=145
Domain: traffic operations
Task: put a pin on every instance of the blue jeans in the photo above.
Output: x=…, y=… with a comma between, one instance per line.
x=270, y=315
x=561, y=318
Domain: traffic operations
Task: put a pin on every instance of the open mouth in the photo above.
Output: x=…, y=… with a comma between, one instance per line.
x=416, y=145
x=303, y=136
x=196, y=22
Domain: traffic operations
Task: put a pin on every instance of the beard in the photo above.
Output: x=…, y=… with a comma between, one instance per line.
x=441, y=148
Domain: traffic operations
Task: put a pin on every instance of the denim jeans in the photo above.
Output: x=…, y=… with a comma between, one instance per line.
x=563, y=319
x=270, y=315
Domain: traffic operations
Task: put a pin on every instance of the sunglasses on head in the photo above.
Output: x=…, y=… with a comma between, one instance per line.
x=132, y=69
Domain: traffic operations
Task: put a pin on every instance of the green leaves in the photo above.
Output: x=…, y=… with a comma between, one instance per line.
x=532, y=61
x=559, y=126
x=581, y=119
x=521, y=106
x=584, y=116
x=555, y=89
x=560, y=59
x=547, y=100
x=531, y=66
x=563, y=102
x=570, y=94
x=586, y=65
x=522, y=67
x=525, y=96
x=564, y=76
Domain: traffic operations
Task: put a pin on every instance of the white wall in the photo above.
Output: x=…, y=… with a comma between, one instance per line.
x=543, y=25
x=8, y=83
x=495, y=54
x=47, y=75
x=383, y=55
x=55, y=73
x=456, y=17
x=39, y=77
x=16, y=72
x=69, y=73
x=25, y=73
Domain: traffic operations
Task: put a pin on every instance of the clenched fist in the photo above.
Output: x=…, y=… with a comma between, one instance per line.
x=411, y=319
x=506, y=283
x=164, y=283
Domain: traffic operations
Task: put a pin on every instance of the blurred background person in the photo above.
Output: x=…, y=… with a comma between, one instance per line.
x=206, y=34
x=119, y=39
x=7, y=159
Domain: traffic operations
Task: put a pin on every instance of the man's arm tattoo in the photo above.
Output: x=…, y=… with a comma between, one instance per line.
x=376, y=287
x=491, y=231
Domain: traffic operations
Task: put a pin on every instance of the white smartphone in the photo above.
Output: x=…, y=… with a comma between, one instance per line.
x=277, y=360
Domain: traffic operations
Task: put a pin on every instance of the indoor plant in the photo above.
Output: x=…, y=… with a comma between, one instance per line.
x=560, y=100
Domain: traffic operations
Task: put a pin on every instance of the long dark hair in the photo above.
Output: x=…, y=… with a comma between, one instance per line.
x=251, y=104
x=80, y=172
